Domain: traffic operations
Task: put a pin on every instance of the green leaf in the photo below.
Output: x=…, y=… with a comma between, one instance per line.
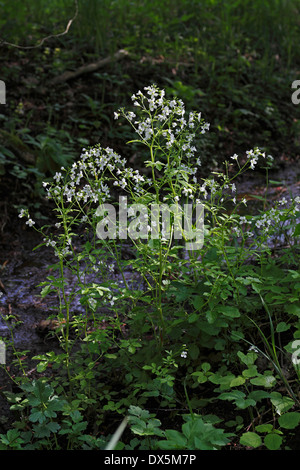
x=248, y=359
x=282, y=326
x=264, y=381
x=258, y=395
x=45, y=429
x=293, y=309
x=237, y=381
x=205, y=366
x=193, y=351
x=250, y=372
x=201, y=377
x=273, y=441
x=243, y=404
x=281, y=403
x=289, y=420
x=297, y=231
x=179, y=440
x=37, y=416
x=231, y=312
x=233, y=395
x=264, y=428
x=251, y=439
x=111, y=356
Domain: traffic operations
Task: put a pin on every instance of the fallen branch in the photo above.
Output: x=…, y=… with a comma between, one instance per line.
x=89, y=68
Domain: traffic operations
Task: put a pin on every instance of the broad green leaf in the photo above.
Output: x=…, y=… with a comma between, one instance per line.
x=264, y=381
x=243, y=404
x=205, y=366
x=231, y=312
x=281, y=403
x=293, y=309
x=289, y=420
x=282, y=326
x=251, y=439
x=248, y=359
x=201, y=377
x=258, y=395
x=264, y=428
x=250, y=372
x=237, y=381
x=273, y=441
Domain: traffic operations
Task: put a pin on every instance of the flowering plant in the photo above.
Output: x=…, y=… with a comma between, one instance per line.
x=170, y=176
x=124, y=300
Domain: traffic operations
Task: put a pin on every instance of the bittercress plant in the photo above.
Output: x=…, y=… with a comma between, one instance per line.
x=141, y=294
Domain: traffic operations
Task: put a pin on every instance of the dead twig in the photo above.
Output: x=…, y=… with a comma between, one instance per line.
x=2, y=42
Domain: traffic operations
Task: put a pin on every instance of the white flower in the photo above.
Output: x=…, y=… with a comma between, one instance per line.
x=184, y=354
x=57, y=177
x=187, y=191
x=22, y=213
x=282, y=201
x=30, y=222
x=116, y=115
x=205, y=127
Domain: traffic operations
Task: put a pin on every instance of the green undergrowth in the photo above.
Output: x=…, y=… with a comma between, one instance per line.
x=187, y=347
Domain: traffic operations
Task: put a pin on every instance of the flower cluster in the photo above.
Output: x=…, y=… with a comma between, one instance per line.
x=252, y=156
x=169, y=132
x=161, y=118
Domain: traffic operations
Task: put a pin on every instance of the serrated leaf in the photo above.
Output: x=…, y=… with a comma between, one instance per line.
x=37, y=416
